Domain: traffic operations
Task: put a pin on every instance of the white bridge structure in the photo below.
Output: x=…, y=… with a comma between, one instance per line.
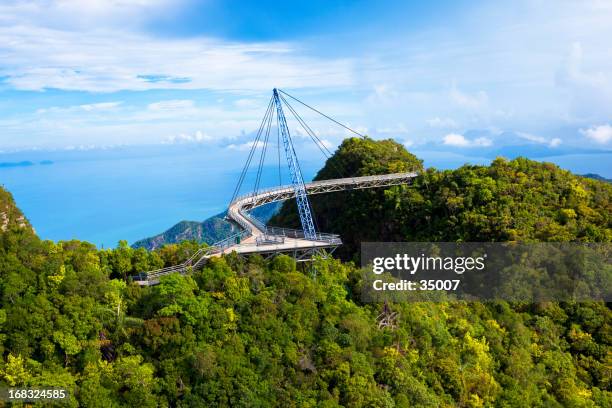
x=257, y=238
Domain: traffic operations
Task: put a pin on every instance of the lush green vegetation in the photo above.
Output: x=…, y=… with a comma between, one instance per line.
x=255, y=333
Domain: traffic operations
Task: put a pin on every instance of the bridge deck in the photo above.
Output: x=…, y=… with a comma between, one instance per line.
x=259, y=238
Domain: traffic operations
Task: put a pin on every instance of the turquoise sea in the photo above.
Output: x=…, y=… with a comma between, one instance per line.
x=102, y=196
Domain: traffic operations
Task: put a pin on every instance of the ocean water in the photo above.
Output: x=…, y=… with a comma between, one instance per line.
x=103, y=196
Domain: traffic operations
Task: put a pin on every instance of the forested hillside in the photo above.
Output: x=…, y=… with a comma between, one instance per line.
x=246, y=333
x=210, y=230
x=517, y=200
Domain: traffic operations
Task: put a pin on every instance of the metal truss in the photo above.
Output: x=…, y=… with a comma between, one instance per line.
x=249, y=202
x=297, y=181
x=298, y=254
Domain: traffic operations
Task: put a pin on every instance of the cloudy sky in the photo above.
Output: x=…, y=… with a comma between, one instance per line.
x=461, y=74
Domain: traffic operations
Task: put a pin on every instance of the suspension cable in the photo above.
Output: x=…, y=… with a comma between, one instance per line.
x=266, y=124
x=280, y=177
x=322, y=114
x=251, y=152
x=308, y=130
x=262, y=157
x=341, y=172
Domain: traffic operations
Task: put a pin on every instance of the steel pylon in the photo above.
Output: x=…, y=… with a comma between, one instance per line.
x=297, y=180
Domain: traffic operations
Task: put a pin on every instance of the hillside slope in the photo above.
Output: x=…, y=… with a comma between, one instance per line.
x=10, y=216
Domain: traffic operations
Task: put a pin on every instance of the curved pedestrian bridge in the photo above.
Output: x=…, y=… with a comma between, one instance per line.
x=256, y=237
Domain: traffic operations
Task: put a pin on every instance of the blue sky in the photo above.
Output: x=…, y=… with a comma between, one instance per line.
x=454, y=75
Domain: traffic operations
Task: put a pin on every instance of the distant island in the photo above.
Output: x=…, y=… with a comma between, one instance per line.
x=24, y=163
x=17, y=164
x=597, y=177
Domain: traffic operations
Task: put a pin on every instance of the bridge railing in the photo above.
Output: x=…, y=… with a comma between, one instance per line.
x=232, y=239
x=299, y=234
x=143, y=276
x=196, y=257
x=251, y=196
x=258, y=223
x=267, y=239
x=288, y=232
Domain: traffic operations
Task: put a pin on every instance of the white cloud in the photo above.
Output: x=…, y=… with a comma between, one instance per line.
x=88, y=147
x=473, y=101
x=458, y=140
x=100, y=106
x=601, y=134
x=393, y=130
x=248, y=103
x=80, y=14
x=531, y=138
x=590, y=90
x=482, y=141
x=298, y=132
x=383, y=94
x=90, y=107
x=455, y=139
x=554, y=142
x=171, y=105
x=442, y=123
x=327, y=143
x=197, y=137
x=502, y=57
x=245, y=146
x=35, y=57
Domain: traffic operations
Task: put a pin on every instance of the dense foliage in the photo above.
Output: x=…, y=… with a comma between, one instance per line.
x=261, y=333
x=265, y=334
